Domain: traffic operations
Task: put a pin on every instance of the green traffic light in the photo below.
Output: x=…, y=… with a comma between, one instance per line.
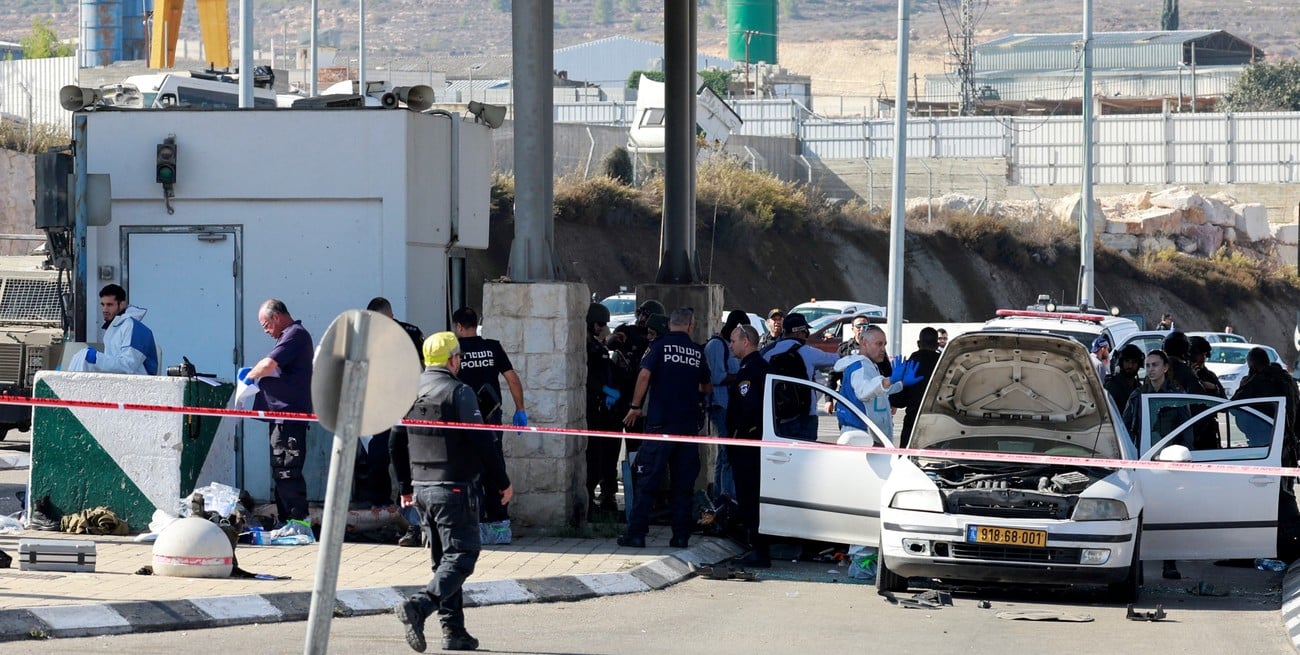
x=166, y=175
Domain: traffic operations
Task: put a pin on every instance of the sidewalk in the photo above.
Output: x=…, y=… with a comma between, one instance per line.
x=372, y=578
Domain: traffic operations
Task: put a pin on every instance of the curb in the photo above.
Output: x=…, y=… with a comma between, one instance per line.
x=1291, y=603
x=61, y=621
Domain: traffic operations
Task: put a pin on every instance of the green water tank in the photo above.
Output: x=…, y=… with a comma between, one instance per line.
x=757, y=18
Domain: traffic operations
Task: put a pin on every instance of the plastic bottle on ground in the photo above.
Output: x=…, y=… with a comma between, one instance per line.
x=1270, y=565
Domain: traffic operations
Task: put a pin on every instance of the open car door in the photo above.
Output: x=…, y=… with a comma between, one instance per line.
x=1194, y=515
x=824, y=494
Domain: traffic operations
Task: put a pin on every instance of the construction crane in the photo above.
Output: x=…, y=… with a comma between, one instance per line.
x=213, y=27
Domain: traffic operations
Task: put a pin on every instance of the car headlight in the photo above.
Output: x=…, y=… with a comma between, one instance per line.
x=918, y=500
x=1100, y=509
x=1229, y=377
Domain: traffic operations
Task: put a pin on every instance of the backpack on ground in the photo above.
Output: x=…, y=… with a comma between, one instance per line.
x=790, y=401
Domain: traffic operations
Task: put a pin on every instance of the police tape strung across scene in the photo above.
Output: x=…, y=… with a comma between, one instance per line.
x=1020, y=458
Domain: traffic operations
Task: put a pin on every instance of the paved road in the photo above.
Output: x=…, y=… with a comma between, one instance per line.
x=795, y=609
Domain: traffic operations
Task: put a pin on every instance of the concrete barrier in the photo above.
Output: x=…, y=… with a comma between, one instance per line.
x=131, y=462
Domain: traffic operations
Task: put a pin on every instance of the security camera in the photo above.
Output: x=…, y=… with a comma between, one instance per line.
x=491, y=115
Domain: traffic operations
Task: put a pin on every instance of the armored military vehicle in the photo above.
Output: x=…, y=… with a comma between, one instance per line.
x=32, y=302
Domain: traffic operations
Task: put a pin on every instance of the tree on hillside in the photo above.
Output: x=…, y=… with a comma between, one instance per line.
x=1169, y=15
x=602, y=12
x=43, y=43
x=1266, y=87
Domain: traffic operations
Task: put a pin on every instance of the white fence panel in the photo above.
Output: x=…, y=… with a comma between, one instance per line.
x=29, y=89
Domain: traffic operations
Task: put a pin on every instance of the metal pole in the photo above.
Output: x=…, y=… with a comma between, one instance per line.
x=79, y=216
x=677, y=261
x=1086, y=270
x=245, y=54
x=315, y=30
x=897, y=224
x=361, y=51
x=532, y=254
x=343, y=458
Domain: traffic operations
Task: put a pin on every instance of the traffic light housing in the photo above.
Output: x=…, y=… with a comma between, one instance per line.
x=165, y=168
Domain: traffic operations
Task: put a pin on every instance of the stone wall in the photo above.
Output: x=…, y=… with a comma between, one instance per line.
x=17, y=213
x=540, y=325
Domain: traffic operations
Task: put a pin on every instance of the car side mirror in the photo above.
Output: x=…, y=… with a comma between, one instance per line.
x=1174, y=454
x=856, y=438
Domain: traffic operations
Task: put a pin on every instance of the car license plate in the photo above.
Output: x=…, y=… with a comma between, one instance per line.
x=985, y=534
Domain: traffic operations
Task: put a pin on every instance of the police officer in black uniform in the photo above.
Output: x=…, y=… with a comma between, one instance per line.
x=602, y=396
x=483, y=362
x=437, y=469
x=674, y=373
x=381, y=305
x=745, y=421
x=372, y=481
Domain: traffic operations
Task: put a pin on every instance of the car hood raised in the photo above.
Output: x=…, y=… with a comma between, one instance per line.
x=1016, y=392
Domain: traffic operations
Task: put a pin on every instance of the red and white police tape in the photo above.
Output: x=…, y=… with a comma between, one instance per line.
x=1019, y=458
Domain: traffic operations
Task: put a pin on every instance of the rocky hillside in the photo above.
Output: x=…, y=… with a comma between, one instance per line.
x=960, y=274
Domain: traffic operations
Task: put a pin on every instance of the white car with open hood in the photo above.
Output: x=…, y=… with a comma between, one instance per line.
x=1057, y=522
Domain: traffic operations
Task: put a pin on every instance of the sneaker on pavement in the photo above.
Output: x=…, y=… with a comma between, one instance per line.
x=412, y=538
x=411, y=617
x=458, y=640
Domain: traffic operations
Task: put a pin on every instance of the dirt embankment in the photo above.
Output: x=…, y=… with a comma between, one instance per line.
x=946, y=280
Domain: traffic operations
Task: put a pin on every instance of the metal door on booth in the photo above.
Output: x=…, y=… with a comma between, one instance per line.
x=187, y=278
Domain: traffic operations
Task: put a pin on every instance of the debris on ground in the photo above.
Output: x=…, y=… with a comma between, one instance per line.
x=1044, y=615
x=723, y=572
x=1157, y=615
x=928, y=600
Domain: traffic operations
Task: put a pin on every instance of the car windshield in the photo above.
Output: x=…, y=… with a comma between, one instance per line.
x=1221, y=355
x=814, y=313
x=620, y=305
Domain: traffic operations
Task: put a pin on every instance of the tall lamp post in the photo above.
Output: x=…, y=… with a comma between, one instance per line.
x=470, y=70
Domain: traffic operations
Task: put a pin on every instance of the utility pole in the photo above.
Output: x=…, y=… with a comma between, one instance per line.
x=966, y=58
x=749, y=34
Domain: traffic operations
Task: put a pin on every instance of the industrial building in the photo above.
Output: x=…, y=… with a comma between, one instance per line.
x=1133, y=72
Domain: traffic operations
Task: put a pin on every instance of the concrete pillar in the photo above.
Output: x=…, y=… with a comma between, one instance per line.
x=541, y=326
x=705, y=298
x=532, y=253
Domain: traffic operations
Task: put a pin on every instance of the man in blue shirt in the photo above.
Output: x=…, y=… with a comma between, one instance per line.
x=723, y=366
x=284, y=377
x=674, y=373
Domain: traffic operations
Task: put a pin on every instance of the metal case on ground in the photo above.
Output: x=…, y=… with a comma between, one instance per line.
x=56, y=555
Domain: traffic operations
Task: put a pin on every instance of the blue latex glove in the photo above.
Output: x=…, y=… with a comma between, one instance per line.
x=521, y=419
x=912, y=373
x=611, y=396
x=90, y=355
x=896, y=375
x=242, y=375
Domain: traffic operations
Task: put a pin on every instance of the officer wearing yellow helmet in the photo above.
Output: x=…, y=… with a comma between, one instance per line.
x=437, y=468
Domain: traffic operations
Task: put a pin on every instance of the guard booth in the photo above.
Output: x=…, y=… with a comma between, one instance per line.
x=321, y=208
